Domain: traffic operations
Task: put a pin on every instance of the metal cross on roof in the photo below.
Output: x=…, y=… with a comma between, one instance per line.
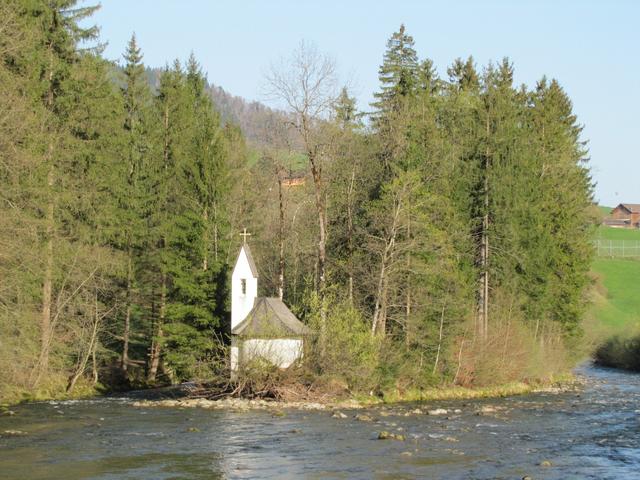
x=244, y=236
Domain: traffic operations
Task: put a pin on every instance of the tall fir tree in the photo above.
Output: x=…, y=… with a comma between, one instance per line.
x=49, y=70
x=140, y=146
x=398, y=73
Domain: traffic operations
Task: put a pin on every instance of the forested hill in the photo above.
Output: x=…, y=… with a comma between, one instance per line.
x=252, y=117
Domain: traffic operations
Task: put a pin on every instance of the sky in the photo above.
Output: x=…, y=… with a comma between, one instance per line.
x=591, y=47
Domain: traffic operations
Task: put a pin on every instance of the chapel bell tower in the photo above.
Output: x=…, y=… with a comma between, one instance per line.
x=244, y=284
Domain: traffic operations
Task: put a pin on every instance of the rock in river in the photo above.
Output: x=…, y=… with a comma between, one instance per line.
x=384, y=435
x=437, y=411
x=364, y=418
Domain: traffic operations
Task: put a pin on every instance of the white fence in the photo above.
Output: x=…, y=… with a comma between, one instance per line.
x=617, y=248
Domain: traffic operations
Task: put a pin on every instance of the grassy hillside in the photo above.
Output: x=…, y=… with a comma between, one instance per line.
x=605, y=210
x=616, y=297
x=290, y=160
x=617, y=305
x=608, y=233
x=613, y=321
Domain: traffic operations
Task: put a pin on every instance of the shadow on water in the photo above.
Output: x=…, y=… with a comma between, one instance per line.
x=151, y=465
x=594, y=433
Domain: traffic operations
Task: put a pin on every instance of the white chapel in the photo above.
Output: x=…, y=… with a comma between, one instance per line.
x=261, y=327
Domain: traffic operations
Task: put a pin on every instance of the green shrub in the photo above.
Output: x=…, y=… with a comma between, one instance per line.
x=620, y=352
x=343, y=349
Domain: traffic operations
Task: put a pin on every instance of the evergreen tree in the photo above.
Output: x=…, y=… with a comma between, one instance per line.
x=352, y=177
x=190, y=224
x=397, y=74
x=564, y=189
x=497, y=156
x=21, y=191
x=139, y=147
x=48, y=69
x=428, y=81
x=463, y=75
x=345, y=111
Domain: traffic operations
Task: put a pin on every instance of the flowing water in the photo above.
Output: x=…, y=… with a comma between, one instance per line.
x=593, y=433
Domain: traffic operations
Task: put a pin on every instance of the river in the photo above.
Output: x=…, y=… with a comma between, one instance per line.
x=593, y=433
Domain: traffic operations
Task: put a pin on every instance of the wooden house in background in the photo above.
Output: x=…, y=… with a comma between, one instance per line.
x=625, y=215
x=294, y=179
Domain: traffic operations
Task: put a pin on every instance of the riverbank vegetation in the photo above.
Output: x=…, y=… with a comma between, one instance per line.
x=613, y=319
x=615, y=313
x=442, y=239
x=620, y=351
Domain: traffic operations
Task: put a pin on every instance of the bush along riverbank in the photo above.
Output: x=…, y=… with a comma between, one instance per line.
x=620, y=352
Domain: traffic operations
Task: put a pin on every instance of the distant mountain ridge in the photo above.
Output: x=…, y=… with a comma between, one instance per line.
x=254, y=118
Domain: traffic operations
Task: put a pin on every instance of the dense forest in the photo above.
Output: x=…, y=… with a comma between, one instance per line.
x=253, y=118
x=444, y=237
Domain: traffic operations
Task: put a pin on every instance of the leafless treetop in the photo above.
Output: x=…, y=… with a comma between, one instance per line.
x=306, y=82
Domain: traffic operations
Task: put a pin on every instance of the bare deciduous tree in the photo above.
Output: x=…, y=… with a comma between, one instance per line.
x=306, y=83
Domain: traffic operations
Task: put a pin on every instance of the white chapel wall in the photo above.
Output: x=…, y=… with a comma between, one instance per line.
x=281, y=352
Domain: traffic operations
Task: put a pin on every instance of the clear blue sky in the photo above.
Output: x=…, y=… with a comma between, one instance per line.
x=590, y=47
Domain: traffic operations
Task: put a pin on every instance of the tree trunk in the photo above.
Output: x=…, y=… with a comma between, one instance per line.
x=127, y=317
x=155, y=350
x=205, y=242
x=322, y=240
x=380, y=310
x=407, y=311
x=322, y=223
x=379, y=293
x=94, y=367
x=435, y=364
x=455, y=378
x=350, y=234
x=483, y=288
x=47, y=284
x=382, y=319
x=280, y=238
x=90, y=352
x=154, y=361
x=215, y=232
x=155, y=356
x=154, y=322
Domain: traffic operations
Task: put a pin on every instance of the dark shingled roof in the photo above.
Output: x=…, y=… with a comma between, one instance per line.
x=632, y=207
x=270, y=317
x=252, y=264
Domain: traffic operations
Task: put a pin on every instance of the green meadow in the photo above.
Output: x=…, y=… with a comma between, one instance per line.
x=608, y=233
x=616, y=297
